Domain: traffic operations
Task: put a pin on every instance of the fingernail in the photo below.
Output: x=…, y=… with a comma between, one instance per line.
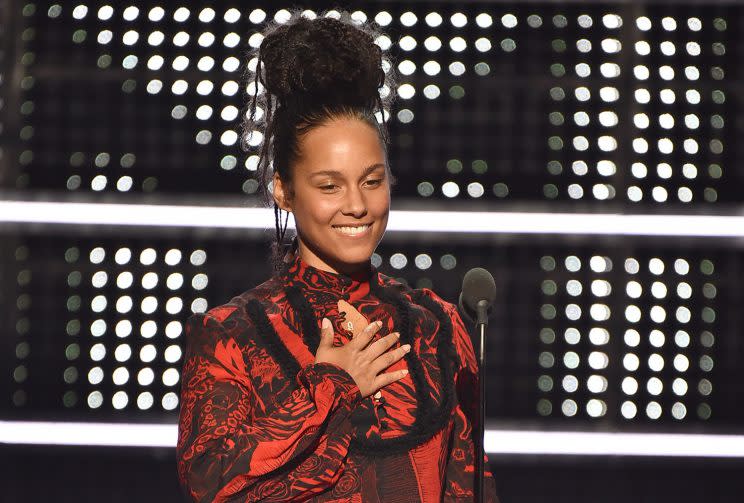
x=379, y=323
x=397, y=335
x=326, y=323
x=407, y=348
x=404, y=371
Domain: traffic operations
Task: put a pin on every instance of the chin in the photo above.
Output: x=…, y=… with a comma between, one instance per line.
x=352, y=259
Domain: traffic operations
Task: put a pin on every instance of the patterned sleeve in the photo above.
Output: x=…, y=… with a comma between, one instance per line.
x=233, y=447
x=460, y=473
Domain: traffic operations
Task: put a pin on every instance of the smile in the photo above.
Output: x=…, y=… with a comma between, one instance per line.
x=356, y=230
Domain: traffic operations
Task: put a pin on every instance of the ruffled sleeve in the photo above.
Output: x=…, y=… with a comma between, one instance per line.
x=232, y=447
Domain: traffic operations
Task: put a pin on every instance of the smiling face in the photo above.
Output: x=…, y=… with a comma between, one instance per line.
x=339, y=195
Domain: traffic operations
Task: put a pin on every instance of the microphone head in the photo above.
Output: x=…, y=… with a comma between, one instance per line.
x=478, y=285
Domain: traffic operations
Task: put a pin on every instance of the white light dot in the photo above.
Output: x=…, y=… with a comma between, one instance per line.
x=206, y=15
x=458, y=20
x=148, y=329
x=172, y=354
x=95, y=399
x=124, y=304
x=669, y=23
x=145, y=400
x=433, y=19
x=105, y=13
x=148, y=353
x=170, y=377
x=383, y=18
x=145, y=377
x=658, y=314
x=95, y=375
x=408, y=19
x=120, y=376
x=232, y=15
x=97, y=352
x=632, y=338
x=407, y=43
x=123, y=352
x=656, y=338
x=406, y=91
x=631, y=362
x=598, y=360
x=572, y=336
x=483, y=20
x=596, y=384
x=509, y=20
x=570, y=384
x=628, y=410
x=80, y=12
x=123, y=328
x=181, y=14
x=99, y=279
x=170, y=401
x=130, y=37
x=148, y=256
x=458, y=44
x=629, y=386
x=609, y=94
x=679, y=386
x=681, y=363
x=654, y=386
x=173, y=329
x=450, y=189
x=431, y=68
x=653, y=410
x=569, y=408
x=599, y=336
x=174, y=305
x=206, y=39
x=655, y=362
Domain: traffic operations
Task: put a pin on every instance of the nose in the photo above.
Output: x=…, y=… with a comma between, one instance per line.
x=354, y=203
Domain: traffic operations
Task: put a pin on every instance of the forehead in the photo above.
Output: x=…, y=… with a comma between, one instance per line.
x=342, y=144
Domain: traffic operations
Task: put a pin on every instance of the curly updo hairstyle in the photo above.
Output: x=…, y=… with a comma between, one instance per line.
x=308, y=72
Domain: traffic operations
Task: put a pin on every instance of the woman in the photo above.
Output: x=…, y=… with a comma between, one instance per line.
x=330, y=381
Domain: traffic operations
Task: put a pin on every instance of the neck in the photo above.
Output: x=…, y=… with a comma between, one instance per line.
x=329, y=265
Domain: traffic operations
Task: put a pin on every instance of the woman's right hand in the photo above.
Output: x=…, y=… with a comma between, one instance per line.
x=361, y=360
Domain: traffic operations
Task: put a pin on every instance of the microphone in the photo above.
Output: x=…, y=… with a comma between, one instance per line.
x=477, y=295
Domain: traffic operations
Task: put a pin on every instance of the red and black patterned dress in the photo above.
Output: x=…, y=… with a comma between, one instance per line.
x=260, y=421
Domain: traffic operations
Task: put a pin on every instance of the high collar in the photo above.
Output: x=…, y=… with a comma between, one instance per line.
x=298, y=272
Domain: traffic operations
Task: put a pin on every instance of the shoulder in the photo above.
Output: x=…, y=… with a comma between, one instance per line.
x=235, y=313
x=417, y=295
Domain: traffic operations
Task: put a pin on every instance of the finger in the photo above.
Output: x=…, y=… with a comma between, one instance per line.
x=383, y=380
x=381, y=345
x=326, y=334
x=385, y=360
x=361, y=340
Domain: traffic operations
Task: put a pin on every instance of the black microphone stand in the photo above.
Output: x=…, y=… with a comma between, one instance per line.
x=480, y=323
x=480, y=317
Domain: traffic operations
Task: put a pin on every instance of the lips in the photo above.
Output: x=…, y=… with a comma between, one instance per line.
x=352, y=230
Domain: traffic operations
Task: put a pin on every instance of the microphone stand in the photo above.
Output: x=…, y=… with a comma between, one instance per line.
x=479, y=431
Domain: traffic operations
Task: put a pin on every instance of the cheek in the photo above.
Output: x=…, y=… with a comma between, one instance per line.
x=317, y=211
x=380, y=204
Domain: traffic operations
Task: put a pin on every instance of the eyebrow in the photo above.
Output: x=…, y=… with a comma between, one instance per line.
x=333, y=172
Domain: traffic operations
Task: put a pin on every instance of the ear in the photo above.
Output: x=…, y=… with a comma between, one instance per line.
x=280, y=192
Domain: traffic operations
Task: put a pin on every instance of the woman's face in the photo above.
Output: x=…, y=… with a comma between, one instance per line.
x=339, y=195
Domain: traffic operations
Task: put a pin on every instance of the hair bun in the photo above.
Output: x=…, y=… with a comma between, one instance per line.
x=320, y=62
